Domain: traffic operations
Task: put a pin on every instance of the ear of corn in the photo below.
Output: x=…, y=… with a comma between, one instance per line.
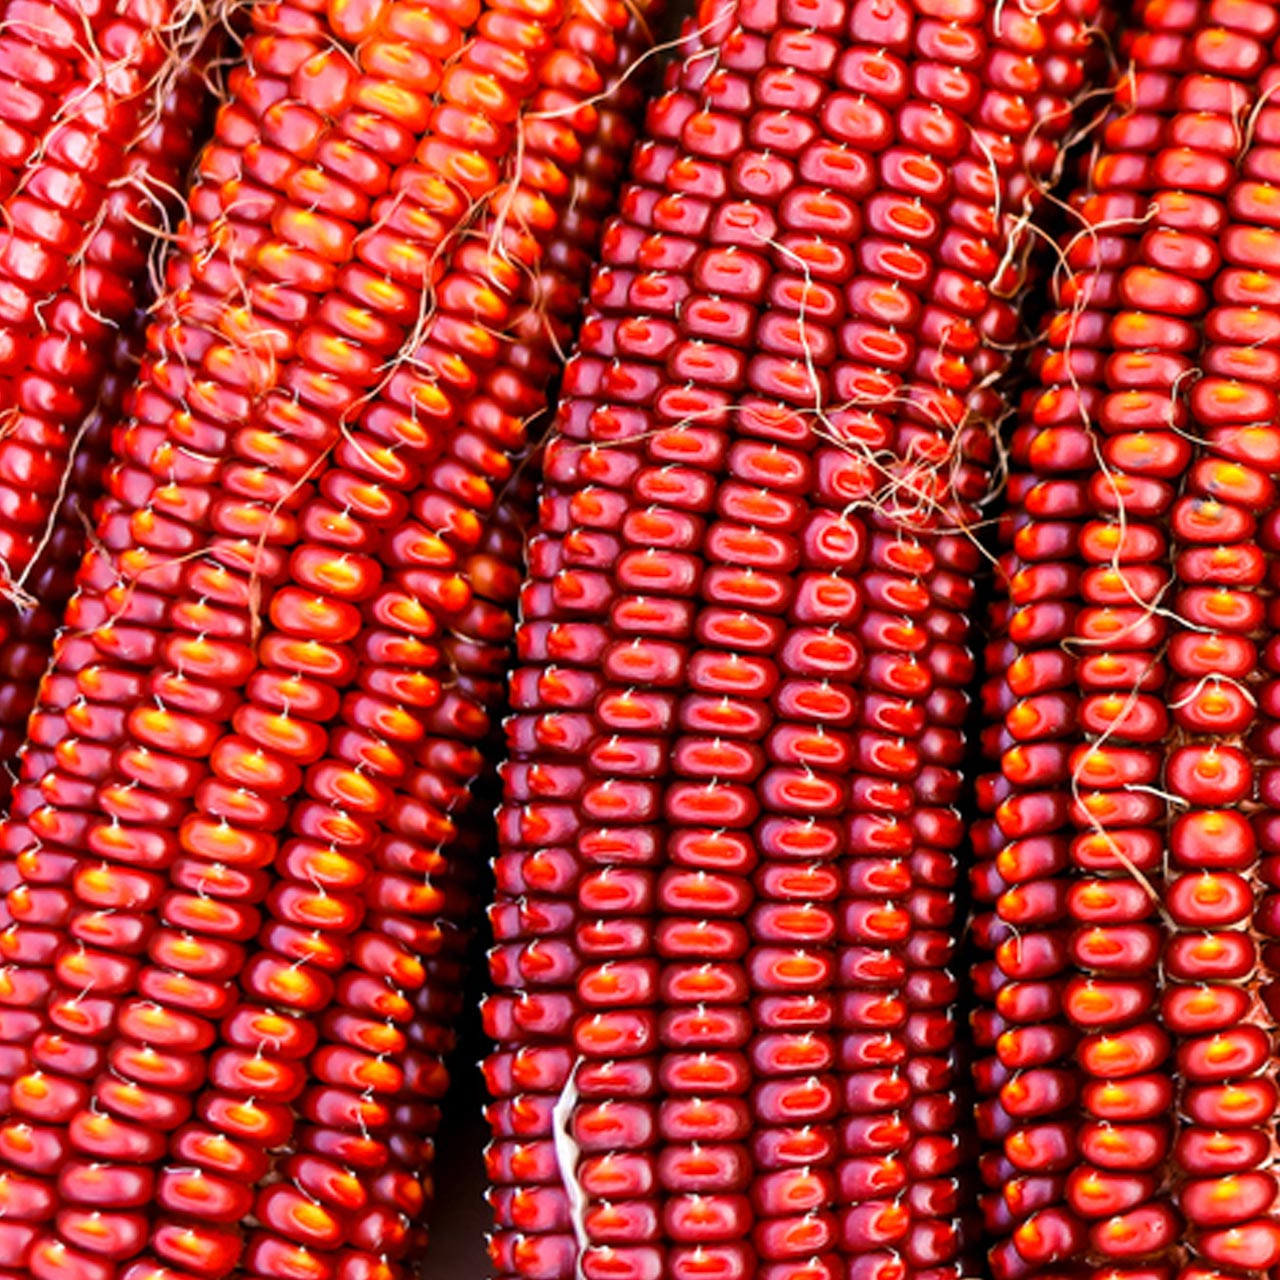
x=102, y=110
x=1120, y=688
x=738, y=727
x=110, y=103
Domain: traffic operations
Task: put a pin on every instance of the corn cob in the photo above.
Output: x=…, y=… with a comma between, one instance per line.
x=1222, y=1038
x=114, y=125
x=103, y=217
x=229, y=240
x=790, y=359
x=1073, y=861
x=1020, y=869
x=25, y=653
x=638, y=790
x=522, y=909
x=918, y=632
x=779, y=459
x=152, y=168
x=371, y=942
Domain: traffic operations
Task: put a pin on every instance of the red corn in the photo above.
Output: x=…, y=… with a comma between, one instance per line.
x=202, y=887
x=242, y=861
x=1073, y=859
x=152, y=166
x=416, y=791
x=142, y=166
x=27, y=648
x=521, y=909
x=690, y=650
x=1222, y=1041
x=669, y=1121
x=83, y=704
x=104, y=150
x=917, y=630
